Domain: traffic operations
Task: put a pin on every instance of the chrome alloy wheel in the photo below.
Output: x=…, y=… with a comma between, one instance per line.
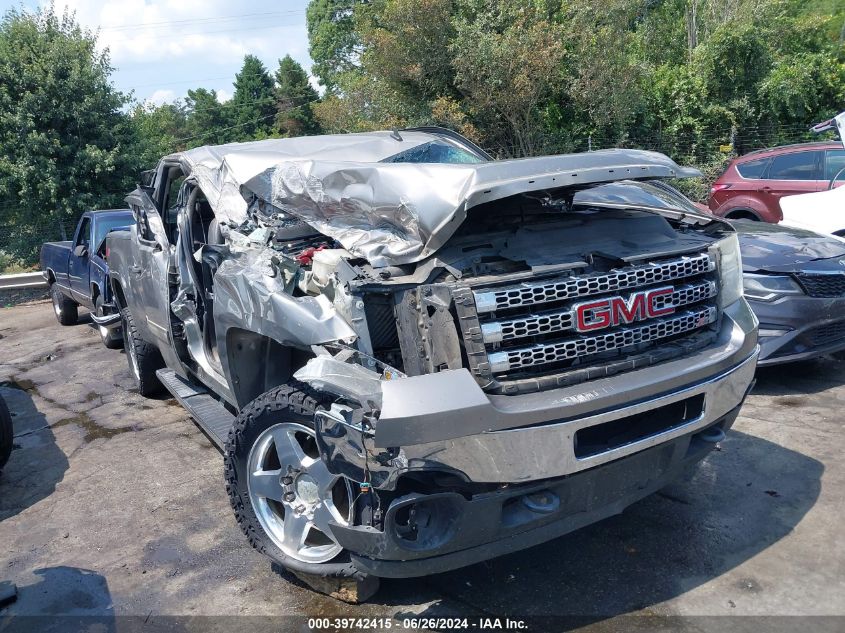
x=57, y=308
x=294, y=495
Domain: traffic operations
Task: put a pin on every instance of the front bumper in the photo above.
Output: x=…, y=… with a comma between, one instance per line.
x=108, y=321
x=455, y=531
x=591, y=449
x=796, y=328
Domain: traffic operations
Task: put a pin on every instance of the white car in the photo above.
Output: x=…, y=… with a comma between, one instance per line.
x=822, y=211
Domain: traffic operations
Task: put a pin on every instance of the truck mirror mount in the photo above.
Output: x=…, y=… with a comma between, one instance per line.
x=81, y=250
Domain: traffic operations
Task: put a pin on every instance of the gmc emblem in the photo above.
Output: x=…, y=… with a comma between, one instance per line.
x=613, y=311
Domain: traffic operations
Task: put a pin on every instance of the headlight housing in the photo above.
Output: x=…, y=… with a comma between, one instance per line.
x=730, y=271
x=769, y=287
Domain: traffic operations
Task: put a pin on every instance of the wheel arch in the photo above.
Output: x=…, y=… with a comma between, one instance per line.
x=119, y=295
x=742, y=213
x=255, y=363
x=95, y=292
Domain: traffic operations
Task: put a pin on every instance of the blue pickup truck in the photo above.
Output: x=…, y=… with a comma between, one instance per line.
x=77, y=272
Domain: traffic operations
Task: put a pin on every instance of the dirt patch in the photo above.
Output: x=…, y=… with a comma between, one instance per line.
x=94, y=431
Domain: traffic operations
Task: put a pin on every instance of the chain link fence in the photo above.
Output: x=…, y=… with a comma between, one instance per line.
x=21, y=237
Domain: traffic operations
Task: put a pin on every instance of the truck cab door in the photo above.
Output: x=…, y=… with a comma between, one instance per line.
x=150, y=302
x=79, y=263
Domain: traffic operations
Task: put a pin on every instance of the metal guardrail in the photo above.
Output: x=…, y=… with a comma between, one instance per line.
x=21, y=281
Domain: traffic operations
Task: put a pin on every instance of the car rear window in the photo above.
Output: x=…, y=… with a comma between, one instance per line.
x=835, y=163
x=795, y=166
x=104, y=225
x=753, y=168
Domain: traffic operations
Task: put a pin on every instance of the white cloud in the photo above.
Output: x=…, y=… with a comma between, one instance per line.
x=161, y=96
x=315, y=84
x=223, y=95
x=190, y=40
x=134, y=29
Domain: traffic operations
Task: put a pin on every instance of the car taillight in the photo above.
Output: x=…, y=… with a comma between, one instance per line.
x=719, y=186
x=107, y=252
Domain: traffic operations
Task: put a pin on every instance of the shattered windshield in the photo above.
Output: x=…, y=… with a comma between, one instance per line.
x=435, y=152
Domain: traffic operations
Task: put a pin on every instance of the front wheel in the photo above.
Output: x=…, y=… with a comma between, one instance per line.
x=67, y=310
x=144, y=359
x=282, y=493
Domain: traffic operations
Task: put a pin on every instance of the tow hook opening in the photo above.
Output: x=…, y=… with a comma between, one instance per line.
x=713, y=434
x=424, y=523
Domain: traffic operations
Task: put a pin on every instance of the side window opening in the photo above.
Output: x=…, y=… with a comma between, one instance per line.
x=85, y=233
x=835, y=163
x=144, y=230
x=753, y=169
x=795, y=166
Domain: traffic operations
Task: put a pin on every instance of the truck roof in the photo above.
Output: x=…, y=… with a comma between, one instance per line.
x=110, y=212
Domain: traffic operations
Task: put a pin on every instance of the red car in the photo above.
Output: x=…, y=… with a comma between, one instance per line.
x=752, y=185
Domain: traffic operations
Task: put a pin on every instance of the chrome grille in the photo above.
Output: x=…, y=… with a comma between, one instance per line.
x=555, y=321
x=514, y=334
x=621, y=337
x=531, y=293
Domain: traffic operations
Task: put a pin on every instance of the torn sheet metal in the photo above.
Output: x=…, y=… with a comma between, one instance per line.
x=250, y=292
x=328, y=374
x=388, y=213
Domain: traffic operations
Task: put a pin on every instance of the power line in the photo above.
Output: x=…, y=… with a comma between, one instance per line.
x=198, y=21
x=217, y=32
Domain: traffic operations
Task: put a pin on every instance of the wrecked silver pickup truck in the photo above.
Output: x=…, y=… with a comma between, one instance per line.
x=416, y=357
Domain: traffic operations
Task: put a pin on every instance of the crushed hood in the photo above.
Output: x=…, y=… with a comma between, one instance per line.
x=776, y=248
x=388, y=213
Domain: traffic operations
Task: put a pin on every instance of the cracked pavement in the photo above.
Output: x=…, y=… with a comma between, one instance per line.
x=114, y=504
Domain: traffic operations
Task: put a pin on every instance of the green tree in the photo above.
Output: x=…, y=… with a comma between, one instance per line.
x=508, y=61
x=406, y=43
x=160, y=130
x=208, y=120
x=294, y=99
x=253, y=103
x=333, y=40
x=65, y=144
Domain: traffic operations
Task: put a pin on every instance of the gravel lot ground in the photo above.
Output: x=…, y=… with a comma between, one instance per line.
x=112, y=504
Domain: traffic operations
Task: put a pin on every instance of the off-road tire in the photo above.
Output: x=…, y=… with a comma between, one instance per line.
x=66, y=310
x=111, y=338
x=292, y=402
x=147, y=358
x=6, y=434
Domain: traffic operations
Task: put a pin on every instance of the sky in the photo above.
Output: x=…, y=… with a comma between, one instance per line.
x=162, y=48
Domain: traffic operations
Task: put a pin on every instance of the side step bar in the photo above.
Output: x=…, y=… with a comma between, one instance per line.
x=213, y=418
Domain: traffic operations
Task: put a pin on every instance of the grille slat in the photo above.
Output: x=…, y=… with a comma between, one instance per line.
x=561, y=321
x=822, y=286
x=511, y=359
x=531, y=293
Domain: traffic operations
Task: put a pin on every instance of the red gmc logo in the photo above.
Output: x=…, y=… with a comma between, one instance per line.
x=612, y=311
